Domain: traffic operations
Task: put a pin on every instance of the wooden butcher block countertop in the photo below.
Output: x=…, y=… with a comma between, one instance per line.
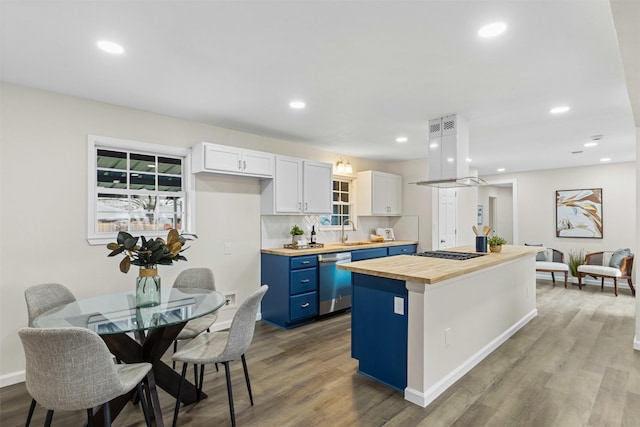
x=337, y=247
x=433, y=270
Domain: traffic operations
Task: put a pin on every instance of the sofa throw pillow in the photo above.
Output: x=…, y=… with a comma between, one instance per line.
x=540, y=256
x=618, y=256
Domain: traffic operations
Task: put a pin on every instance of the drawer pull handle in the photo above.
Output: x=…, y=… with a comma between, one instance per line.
x=305, y=305
x=304, y=281
x=306, y=262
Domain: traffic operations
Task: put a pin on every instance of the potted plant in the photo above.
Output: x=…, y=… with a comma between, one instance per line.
x=576, y=259
x=495, y=243
x=297, y=234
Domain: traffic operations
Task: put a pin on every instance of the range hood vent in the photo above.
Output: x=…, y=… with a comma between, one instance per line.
x=469, y=181
x=448, y=153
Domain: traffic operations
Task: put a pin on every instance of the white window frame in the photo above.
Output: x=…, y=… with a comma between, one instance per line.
x=353, y=225
x=95, y=142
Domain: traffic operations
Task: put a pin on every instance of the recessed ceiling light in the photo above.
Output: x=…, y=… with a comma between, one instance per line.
x=559, y=110
x=110, y=47
x=590, y=144
x=605, y=159
x=501, y=169
x=468, y=160
x=297, y=105
x=450, y=159
x=402, y=139
x=433, y=145
x=492, y=30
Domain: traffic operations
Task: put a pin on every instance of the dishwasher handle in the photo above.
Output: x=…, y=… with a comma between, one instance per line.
x=336, y=258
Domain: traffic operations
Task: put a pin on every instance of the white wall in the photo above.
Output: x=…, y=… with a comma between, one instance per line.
x=43, y=183
x=504, y=217
x=536, y=205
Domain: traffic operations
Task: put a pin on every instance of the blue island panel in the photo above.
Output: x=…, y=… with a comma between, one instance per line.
x=378, y=333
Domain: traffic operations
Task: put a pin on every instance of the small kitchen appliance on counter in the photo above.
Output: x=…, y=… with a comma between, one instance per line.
x=386, y=233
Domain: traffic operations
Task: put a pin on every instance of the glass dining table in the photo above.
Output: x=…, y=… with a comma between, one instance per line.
x=139, y=334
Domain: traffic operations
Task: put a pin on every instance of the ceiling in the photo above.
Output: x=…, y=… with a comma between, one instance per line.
x=369, y=71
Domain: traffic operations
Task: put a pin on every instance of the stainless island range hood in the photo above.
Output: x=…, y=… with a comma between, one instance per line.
x=448, y=153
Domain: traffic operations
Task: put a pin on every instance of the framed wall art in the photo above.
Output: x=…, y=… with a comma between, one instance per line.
x=579, y=213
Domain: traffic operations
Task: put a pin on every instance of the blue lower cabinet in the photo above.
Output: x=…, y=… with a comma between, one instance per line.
x=292, y=298
x=303, y=306
x=402, y=250
x=368, y=254
x=378, y=332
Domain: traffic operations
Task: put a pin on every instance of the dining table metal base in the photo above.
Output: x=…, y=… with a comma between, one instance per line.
x=149, y=348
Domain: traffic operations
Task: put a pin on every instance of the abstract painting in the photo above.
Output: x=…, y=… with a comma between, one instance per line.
x=579, y=213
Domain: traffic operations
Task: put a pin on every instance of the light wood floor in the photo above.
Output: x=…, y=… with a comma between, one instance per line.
x=573, y=365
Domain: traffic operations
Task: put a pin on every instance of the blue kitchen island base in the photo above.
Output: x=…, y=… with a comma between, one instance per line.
x=379, y=329
x=418, y=325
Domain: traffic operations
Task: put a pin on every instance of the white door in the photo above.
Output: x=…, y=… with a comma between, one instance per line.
x=447, y=218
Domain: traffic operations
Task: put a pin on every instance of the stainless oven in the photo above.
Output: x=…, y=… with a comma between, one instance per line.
x=335, y=285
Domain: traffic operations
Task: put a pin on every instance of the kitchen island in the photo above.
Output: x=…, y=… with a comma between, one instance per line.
x=419, y=324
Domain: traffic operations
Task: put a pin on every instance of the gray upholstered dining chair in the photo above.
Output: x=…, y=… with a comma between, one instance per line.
x=223, y=347
x=198, y=278
x=70, y=369
x=40, y=299
x=45, y=297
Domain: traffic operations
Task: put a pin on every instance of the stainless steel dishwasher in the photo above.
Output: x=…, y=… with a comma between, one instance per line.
x=335, y=284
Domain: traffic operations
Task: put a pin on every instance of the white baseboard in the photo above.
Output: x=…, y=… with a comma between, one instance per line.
x=11, y=378
x=18, y=377
x=423, y=399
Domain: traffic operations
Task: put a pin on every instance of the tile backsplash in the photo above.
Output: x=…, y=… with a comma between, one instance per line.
x=275, y=228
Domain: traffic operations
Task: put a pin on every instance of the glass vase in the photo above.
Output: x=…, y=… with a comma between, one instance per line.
x=148, y=287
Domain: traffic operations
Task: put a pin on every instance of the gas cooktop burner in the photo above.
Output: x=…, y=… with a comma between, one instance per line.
x=457, y=256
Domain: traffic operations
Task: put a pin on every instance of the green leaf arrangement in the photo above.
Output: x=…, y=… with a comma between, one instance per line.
x=296, y=231
x=576, y=259
x=149, y=252
x=496, y=240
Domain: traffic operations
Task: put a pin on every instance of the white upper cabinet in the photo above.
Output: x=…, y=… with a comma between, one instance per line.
x=318, y=186
x=299, y=187
x=379, y=194
x=224, y=159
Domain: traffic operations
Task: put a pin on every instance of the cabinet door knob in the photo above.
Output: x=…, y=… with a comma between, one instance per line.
x=239, y=164
x=244, y=163
x=305, y=305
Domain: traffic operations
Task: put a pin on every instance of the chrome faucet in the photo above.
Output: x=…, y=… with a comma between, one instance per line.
x=343, y=237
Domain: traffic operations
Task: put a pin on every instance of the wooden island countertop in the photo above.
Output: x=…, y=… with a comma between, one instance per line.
x=433, y=270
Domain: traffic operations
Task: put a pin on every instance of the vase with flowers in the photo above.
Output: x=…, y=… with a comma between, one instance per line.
x=147, y=254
